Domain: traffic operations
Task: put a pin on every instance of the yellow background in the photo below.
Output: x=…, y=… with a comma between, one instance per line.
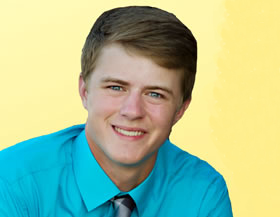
x=233, y=121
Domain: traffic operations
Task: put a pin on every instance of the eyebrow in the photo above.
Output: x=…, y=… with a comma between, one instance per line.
x=160, y=88
x=151, y=87
x=114, y=80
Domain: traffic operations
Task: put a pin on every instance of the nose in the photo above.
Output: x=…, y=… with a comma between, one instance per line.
x=132, y=106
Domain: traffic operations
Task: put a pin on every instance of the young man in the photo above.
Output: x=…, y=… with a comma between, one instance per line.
x=138, y=71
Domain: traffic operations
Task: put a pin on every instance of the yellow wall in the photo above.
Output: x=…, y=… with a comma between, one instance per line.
x=233, y=121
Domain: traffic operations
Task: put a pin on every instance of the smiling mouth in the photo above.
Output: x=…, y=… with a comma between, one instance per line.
x=128, y=132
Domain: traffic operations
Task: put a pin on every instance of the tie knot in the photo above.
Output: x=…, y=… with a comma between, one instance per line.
x=123, y=205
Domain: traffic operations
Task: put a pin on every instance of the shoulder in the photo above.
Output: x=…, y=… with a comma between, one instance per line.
x=37, y=154
x=197, y=186
x=191, y=169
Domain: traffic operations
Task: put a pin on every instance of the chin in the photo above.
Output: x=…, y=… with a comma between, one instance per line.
x=127, y=162
x=137, y=161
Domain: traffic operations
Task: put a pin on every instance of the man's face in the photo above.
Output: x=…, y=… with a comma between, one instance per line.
x=132, y=104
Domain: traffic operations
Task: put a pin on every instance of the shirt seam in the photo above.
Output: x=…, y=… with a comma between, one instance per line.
x=18, y=179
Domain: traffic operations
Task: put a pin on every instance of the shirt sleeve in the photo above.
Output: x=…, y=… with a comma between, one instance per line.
x=216, y=201
x=9, y=204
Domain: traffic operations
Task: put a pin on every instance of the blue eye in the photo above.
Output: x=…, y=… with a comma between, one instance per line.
x=116, y=88
x=155, y=95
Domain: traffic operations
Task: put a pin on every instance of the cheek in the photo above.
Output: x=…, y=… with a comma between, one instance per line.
x=100, y=105
x=161, y=115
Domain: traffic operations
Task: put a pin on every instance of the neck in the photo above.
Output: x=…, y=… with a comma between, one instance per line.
x=127, y=177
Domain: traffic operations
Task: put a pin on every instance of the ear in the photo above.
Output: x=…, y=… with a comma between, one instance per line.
x=83, y=91
x=179, y=114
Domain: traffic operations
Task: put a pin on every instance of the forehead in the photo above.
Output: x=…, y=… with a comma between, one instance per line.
x=115, y=60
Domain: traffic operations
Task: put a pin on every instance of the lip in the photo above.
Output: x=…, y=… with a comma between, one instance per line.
x=129, y=129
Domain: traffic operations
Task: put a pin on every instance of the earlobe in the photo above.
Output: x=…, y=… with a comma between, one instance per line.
x=83, y=91
x=181, y=111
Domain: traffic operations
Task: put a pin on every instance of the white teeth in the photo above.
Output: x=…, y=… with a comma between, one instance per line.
x=129, y=133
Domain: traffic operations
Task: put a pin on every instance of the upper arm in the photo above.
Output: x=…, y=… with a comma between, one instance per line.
x=216, y=202
x=9, y=204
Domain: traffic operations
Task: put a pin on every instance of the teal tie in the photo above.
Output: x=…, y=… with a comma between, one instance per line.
x=123, y=205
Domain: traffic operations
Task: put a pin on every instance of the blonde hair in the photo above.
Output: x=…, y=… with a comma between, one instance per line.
x=150, y=32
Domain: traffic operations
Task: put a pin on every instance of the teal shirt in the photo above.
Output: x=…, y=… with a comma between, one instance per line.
x=57, y=176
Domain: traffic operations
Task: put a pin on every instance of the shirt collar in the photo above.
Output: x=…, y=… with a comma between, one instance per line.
x=147, y=191
x=96, y=187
